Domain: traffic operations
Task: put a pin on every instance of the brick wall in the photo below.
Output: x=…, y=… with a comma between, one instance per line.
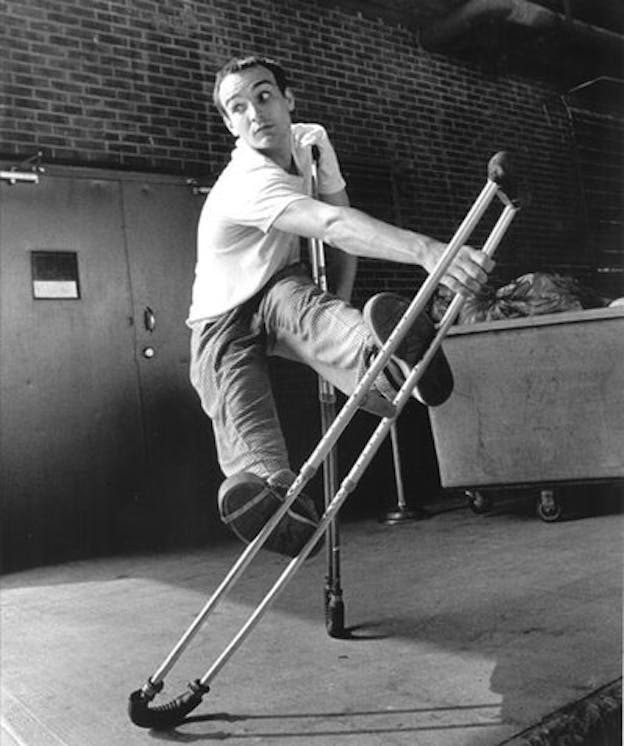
x=126, y=84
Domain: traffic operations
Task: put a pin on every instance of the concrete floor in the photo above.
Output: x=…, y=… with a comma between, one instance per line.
x=467, y=629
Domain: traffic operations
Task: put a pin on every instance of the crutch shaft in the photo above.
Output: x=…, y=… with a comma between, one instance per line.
x=327, y=517
x=226, y=584
x=330, y=485
x=334, y=606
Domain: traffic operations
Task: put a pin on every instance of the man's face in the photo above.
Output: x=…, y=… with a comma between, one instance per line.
x=256, y=110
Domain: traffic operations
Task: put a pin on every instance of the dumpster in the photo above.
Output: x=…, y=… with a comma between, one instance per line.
x=537, y=401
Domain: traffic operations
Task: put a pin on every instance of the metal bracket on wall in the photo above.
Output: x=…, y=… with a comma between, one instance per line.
x=21, y=173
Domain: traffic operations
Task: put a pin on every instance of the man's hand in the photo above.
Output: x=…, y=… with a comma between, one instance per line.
x=315, y=134
x=467, y=273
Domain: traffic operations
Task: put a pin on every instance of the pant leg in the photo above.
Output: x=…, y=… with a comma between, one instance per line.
x=305, y=324
x=229, y=372
x=291, y=318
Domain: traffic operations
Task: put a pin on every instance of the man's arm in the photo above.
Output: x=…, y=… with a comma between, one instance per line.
x=341, y=267
x=360, y=234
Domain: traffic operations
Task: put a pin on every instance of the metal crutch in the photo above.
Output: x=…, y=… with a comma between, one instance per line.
x=333, y=599
x=172, y=713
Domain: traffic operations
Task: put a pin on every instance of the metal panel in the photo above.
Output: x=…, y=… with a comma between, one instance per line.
x=70, y=439
x=536, y=401
x=161, y=234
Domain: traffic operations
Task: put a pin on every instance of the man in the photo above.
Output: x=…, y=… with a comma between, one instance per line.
x=253, y=298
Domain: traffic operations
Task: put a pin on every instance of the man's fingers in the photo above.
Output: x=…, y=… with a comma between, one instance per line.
x=470, y=258
x=463, y=284
x=469, y=271
x=484, y=261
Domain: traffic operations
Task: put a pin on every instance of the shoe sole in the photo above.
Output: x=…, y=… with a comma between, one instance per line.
x=246, y=503
x=382, y=313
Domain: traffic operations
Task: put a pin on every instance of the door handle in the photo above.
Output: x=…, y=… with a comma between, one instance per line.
x=149, y=319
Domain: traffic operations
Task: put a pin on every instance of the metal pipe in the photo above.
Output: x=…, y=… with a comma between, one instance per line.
x=520, y=12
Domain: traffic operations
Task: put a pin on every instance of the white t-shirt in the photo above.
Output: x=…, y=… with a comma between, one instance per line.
x=238, y=249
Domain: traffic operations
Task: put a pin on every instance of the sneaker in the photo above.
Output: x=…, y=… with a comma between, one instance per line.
x=246, y=502
x=382, y=313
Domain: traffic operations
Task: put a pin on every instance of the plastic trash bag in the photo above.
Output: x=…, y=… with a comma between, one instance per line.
x=529, y=295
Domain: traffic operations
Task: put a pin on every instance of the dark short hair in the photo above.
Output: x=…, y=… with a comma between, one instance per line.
x=238, y=64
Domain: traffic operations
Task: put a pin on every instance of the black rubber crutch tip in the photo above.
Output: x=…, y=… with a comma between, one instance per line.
x=164, y=717
x=335, y=618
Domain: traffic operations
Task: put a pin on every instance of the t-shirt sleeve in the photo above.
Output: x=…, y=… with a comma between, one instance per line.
x=258, y=196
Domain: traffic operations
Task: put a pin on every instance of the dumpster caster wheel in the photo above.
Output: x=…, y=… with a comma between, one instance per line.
x=478, y=502
x=548, y=508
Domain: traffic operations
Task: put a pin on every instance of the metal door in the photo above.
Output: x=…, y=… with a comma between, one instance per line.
x=161, y=227
x=71, y=451
x=103, y=443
